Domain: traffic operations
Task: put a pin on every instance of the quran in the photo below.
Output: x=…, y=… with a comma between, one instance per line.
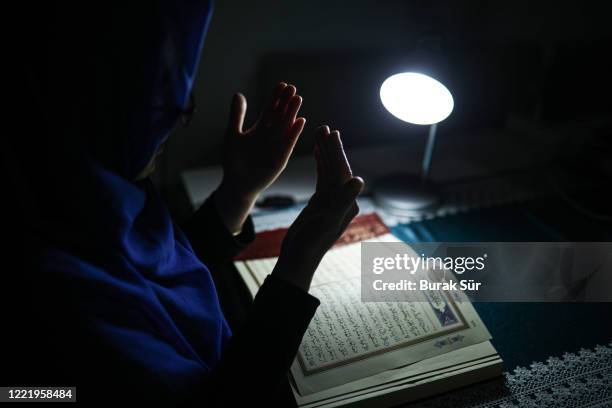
x=357, y=353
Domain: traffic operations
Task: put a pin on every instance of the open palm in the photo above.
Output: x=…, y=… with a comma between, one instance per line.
x=325, y=217
x=255, y=157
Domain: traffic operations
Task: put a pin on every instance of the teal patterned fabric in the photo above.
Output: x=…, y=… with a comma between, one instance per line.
x=526, y=332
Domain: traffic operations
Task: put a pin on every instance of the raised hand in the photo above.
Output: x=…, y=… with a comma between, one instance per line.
x=255, y=157
x=325, y=217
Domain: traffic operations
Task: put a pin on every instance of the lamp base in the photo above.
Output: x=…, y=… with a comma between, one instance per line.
x=405, y=194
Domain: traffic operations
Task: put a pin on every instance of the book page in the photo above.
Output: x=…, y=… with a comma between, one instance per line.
x=345, y=329
x=348, y=339
x=451, y=363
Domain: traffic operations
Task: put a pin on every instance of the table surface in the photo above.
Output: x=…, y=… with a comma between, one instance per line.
x=522, y=332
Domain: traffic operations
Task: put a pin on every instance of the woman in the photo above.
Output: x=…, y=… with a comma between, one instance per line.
x=111, y=295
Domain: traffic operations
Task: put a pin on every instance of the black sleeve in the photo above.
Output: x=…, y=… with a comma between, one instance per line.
x=267, y=331
x=255, y=364
x=216, y=246
x=212, y=242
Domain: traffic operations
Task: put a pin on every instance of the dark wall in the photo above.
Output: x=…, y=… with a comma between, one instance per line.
x=332, y=49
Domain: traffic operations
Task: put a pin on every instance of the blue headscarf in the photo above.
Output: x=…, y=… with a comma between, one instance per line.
x=109, y=86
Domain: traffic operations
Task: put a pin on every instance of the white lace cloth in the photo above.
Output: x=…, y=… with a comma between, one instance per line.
x=574, y=380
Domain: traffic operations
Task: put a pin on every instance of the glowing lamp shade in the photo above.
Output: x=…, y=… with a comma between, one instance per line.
x=416, y=98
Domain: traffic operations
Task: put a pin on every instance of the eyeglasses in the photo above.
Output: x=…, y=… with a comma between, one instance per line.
x=185, y=114
x=188, y=112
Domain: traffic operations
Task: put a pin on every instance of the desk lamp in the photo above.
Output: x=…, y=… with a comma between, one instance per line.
x=421, y=100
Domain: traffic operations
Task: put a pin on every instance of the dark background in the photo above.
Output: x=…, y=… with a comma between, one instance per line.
x=538, y=70
x=520, y=66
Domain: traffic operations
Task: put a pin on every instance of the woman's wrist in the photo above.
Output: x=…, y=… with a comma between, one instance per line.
x=295, y=270
x=233, y=206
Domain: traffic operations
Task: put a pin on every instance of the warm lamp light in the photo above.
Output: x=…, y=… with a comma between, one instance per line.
x=421, y=100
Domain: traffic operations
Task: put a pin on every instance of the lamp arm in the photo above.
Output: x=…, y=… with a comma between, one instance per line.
x=431, y=141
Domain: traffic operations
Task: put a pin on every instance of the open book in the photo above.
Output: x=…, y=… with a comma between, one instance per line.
x=358, y=353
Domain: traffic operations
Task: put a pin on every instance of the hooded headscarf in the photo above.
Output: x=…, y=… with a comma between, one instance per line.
x=104, y=87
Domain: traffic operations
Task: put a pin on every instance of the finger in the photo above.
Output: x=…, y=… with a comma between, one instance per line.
x=281, y=108
x=340, y=166
x=292, y=109
x=296, y=130
x=320, y=136
x=237, y=112
x=333, y=158
x=294, y=135
x=268, y=111
x=320, y=171
x=322, y=178
x=347, y=195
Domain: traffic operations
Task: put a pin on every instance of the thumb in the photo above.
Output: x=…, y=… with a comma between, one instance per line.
x=237, y=112
x=348, y=193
